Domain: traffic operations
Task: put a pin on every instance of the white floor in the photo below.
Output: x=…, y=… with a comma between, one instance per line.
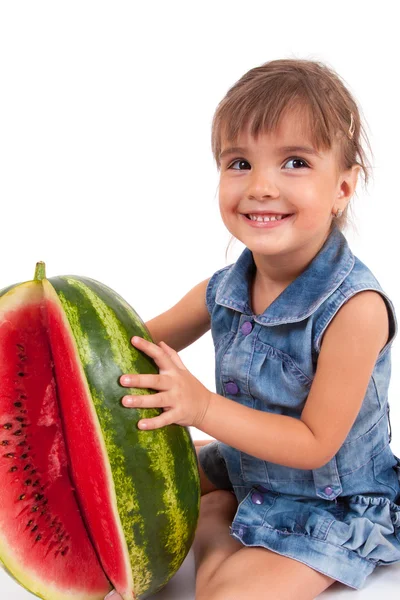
x=384, y=584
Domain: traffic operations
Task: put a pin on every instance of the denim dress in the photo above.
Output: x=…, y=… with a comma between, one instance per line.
x=342, y=519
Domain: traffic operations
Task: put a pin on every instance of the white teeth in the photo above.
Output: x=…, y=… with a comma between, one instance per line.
x=264, y=219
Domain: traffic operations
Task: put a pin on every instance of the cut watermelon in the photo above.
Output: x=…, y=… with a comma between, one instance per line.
x=88, y=502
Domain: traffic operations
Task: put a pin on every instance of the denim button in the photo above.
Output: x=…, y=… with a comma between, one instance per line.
x=328, y=491
x=257, y=498
x=246, y=328
x=231, y=388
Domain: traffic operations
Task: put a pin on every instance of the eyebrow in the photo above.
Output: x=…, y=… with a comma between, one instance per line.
x=281, y=150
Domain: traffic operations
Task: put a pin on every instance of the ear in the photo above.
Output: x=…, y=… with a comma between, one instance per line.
x=347, y=185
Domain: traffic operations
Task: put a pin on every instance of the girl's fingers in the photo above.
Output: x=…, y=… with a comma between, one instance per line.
x=145, y=401
x=173, y=355
x=152, y=381
x=166, y=418
x=158, y=354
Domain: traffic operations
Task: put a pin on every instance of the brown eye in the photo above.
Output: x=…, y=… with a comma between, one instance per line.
x=240, y=162
x=296, y=161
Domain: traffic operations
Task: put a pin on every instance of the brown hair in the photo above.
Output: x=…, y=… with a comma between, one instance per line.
x=327, y=108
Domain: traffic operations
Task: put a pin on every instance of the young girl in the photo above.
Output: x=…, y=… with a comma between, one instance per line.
x=301, y=487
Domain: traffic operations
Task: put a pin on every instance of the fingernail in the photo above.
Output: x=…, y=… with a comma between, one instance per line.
x=142, y=425
x=127, y=401
x=112, y=594
x=125, y=379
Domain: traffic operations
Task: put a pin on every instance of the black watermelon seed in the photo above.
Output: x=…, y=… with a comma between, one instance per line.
x=35, y=483
x=34, y=508
x=33, y=472
x=35, y=528
x=38, y=538
x=13, y=469
x=28, y=482
x=20, y=347
x=20, y=419
x=24, y=456
x=38, y=496
x=26, y=467
x=18, y=404
x=64, y=552
x=5, y=443
x=22, y=497
x=18, y=432
x=25, y=424
x=29, y=523
x=9, y=455
x=20, y=374
x=23, y=443
x=7, y=426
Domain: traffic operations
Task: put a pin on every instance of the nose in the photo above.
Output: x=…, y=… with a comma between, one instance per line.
x=261, y=185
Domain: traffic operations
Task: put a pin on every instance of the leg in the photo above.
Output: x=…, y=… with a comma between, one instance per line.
x=205, y=484
x=213, y=544
x=259, y=573
x=227, y=570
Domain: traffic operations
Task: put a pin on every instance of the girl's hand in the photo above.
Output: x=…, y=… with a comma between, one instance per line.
x=182, y=397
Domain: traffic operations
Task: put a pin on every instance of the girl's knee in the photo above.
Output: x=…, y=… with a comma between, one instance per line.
x=217, y=503
x=205, y=484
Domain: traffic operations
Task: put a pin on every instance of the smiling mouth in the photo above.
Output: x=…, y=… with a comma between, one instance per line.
x=266, y=218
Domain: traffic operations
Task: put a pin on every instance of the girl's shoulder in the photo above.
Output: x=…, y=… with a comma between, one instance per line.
x=359, y=279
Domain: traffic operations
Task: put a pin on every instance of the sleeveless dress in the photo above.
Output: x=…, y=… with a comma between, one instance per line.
x=342, y=519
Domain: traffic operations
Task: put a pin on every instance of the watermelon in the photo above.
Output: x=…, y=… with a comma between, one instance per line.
x=88, y=502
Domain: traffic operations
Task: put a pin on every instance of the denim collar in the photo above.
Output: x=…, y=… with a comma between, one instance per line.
x=302, y=296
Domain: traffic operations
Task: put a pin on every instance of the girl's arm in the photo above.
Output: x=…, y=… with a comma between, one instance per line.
x=185, y=322
x=349, y=350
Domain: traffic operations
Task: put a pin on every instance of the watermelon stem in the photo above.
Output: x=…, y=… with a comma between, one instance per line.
x=40, y=271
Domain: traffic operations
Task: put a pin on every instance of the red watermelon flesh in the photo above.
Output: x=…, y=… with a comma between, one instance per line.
x=44, y=542
x=84, y=442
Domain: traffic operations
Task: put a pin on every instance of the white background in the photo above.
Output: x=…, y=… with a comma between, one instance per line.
x=105, y=157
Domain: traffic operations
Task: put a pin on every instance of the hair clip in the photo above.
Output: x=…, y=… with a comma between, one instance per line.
x=352, y=127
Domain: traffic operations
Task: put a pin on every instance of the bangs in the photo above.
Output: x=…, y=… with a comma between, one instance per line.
x=263, y=111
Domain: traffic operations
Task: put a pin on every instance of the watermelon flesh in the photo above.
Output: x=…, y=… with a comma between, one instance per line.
x=44, y=541
x=84, y=440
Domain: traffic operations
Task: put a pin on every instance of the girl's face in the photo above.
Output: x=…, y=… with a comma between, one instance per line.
x=259, y=177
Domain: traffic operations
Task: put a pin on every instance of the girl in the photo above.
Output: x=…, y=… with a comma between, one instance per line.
x=300, y=487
